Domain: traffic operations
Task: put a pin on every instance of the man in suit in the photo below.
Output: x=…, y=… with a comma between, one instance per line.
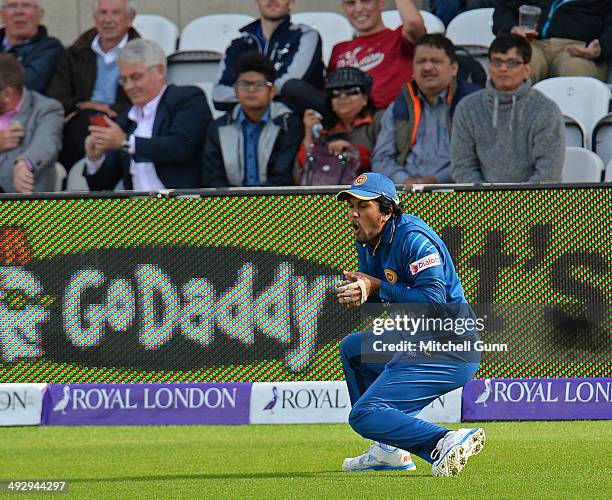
x=86, y=80
x=30, y=132
x=158, y=143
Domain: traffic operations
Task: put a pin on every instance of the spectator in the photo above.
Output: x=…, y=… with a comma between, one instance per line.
x=256, y=144
x=386, y=55
x=24, y=37
x=414, y=143
x=158, y=143
x=352, y=125
x=30, y=132
x=86, y=81
x=295, y=50
x=573, y=38
x=446, y=10
x=508, y=132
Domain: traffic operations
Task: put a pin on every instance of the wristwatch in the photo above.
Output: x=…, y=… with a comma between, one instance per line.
x=126, y=146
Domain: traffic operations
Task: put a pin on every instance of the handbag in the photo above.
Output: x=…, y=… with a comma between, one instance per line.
x=323, y=168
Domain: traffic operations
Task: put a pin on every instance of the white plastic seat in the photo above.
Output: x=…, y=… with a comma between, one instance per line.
x=602, y=138
x=60, y=175
x=392, y=19
x=76, y=181
x=333, y=28
x=214, y=32
x=581, y=165
x=159, y=29
x=608, y=174
x=472, y=29
x=582, y=98
x=208, y=87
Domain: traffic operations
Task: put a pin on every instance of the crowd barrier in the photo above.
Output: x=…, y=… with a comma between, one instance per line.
x=237, y=285
x=290, y=403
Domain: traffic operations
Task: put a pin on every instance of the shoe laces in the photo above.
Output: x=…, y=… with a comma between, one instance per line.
x=435, y=454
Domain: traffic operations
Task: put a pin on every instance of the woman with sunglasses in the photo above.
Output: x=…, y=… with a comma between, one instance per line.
x=350, y=125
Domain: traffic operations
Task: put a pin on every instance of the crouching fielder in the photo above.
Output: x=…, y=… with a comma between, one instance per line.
x=401, y=260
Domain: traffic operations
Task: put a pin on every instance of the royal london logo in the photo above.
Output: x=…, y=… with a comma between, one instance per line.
x=360, y=180
x=391, y=276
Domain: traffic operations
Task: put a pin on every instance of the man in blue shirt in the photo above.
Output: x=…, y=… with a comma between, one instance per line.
x=401, y=260
x=255, y=144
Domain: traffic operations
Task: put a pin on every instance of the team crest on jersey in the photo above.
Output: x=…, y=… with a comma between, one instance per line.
x=425, y=263
x=360, y=180
x=391, y=276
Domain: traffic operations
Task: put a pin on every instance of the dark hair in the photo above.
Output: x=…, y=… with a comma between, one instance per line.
x=347, y=78
x=258, y=63
x=438, y=41
x=508, y=41
x=388, y=206
x=12, y=73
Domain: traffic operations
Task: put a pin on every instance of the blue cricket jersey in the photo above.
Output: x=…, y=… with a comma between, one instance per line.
x=413, y=264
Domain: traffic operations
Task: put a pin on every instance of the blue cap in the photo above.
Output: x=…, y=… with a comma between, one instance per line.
x=369, y=187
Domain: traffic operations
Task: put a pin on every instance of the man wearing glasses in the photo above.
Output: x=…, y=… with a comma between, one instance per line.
x=27, y=39
x=86, y=80
x=508, y=132
x=158, y=143
x=255, y=144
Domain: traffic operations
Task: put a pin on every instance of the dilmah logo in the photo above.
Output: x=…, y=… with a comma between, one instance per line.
x=63, y=403
x=272, y=403
x=486, y=394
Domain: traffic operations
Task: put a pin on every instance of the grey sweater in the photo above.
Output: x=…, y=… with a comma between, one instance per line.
x=514, y=136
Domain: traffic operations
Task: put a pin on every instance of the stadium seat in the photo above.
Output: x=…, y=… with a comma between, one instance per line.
x=76, y=181
x=581, y=165
x=582, y=98
x=333, y=28
x=433, y=23
x=472, y=29
x=214, y=32
x=60, y=175
x=207, y=87
x=608, y=174
x=602, y=138
x=191, y=67
x=158, y=29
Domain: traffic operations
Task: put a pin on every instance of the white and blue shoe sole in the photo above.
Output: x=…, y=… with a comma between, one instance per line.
x=409, y=466
x=457, y=457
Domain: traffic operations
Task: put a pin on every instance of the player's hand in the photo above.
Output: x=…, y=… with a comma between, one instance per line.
x=351, y=296
x=101, y=107
x=11, y=136
x=23, y=178
x=591, y=51
x=107, y=138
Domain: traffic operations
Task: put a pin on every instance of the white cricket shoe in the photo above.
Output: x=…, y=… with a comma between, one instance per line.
x=380, y=456
x=454, y=449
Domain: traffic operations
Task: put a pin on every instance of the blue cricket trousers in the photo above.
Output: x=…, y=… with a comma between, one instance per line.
x=387, y=396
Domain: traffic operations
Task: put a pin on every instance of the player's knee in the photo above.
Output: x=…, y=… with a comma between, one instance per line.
x=358, y=417
x=350, y=346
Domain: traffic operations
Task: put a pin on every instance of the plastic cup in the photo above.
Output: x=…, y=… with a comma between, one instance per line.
x=529, y=15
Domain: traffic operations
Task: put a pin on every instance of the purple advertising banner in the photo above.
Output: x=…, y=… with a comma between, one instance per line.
x=146, y=404
x=538, y=399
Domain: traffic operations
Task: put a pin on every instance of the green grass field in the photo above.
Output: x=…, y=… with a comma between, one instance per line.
x=520, y=460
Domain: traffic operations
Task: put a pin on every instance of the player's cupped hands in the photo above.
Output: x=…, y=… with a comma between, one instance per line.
x=351, y=293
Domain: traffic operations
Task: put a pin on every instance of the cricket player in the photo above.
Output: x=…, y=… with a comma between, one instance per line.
x=401, y=260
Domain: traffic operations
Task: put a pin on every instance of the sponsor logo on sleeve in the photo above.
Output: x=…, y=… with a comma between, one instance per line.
x=425, y=263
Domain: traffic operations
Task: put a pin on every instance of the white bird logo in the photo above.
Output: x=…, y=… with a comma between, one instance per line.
x=486, y=394
x=63, y=403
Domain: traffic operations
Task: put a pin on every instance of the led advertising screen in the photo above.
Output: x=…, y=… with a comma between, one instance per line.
x=241, y=288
